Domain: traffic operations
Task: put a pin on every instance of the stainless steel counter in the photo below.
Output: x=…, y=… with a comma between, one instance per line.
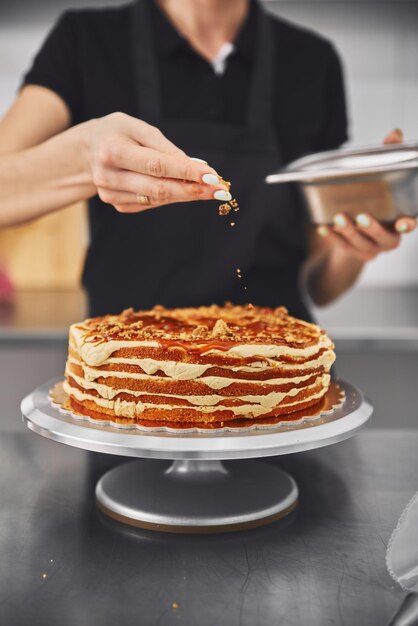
x=63, y=563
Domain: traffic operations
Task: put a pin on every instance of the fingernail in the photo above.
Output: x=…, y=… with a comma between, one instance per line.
x=222, y=195
x=363, y=220
x=211, y=179
x=340, y=220
x=323, y=231
x=402, y=228
x=199, y=160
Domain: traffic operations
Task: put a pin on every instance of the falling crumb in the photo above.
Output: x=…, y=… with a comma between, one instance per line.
x=174, y=605
x=245, y=288
x=232, y=223
x=225, y=182
x=224, y=209
x=44, y=576
x=52, y=560
x=250, y=306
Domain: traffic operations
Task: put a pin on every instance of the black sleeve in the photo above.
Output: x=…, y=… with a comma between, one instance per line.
x=334, y=125
x=56, y=65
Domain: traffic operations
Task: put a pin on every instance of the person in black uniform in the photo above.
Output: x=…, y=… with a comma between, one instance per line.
x=228, y=83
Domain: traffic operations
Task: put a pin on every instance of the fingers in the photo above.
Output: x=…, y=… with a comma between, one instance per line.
x=406, y=224
x=122, y=187
x=154, y=138
x=124, y=201
x=339, y=241
x=151, y=137
x=365, y=237
x=163, y=190
x=384, y=238
x=395, y=136
x=364, y=247
x=140, y=131
x=128, y=155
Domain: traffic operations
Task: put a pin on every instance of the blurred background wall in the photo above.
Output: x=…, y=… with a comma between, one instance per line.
x=378, y=41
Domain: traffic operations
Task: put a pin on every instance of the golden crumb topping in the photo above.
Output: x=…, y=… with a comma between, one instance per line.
x=206, y=324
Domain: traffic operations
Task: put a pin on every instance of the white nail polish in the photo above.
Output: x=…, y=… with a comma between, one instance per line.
x=401, y=228
x=211, y=179
x=323, y=231
x=340, y=220
x=363, y=220
x=222, y=195
x=199, y=160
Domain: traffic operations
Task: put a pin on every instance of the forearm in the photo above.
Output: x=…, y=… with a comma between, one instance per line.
x=330, y=273
x=45, y=178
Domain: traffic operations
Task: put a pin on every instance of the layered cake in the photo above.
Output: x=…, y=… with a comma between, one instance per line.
x=206, y=364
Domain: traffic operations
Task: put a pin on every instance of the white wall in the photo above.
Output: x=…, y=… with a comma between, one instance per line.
x=378, y=41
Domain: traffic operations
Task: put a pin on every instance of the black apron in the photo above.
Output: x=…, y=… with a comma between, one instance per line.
x=186, y=254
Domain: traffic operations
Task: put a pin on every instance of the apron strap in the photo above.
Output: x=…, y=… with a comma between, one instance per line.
x=146, y=83
x=260, y=102
x=146, y=75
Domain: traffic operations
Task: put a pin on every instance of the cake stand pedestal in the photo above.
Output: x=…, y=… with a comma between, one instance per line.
x=196, y=493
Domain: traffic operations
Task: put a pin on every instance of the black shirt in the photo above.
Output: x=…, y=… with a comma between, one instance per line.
x=86, y=59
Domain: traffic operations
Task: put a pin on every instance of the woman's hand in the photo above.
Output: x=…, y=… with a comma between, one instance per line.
x=338, y=252
x=134, y=167
x=365, y=237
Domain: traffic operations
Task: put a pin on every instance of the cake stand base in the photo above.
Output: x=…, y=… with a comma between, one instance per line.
x=196, y=496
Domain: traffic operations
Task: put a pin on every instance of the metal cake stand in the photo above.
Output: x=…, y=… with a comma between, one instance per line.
x=197, y=492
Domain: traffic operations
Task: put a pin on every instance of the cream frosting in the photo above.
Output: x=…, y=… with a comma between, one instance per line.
x=273, y=351
x=180, y=370
x=190, y=371
x=213, y=382
x=132, y=409
x=272, y=398
x=97, y=353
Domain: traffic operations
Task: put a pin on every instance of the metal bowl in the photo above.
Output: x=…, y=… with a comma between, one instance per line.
x=380, y=180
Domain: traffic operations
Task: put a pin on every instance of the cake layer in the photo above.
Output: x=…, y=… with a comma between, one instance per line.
x=172, y=412
x=203, y=385
x=195, y=365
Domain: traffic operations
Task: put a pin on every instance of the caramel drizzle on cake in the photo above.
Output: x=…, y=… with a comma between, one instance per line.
x=198, y=364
